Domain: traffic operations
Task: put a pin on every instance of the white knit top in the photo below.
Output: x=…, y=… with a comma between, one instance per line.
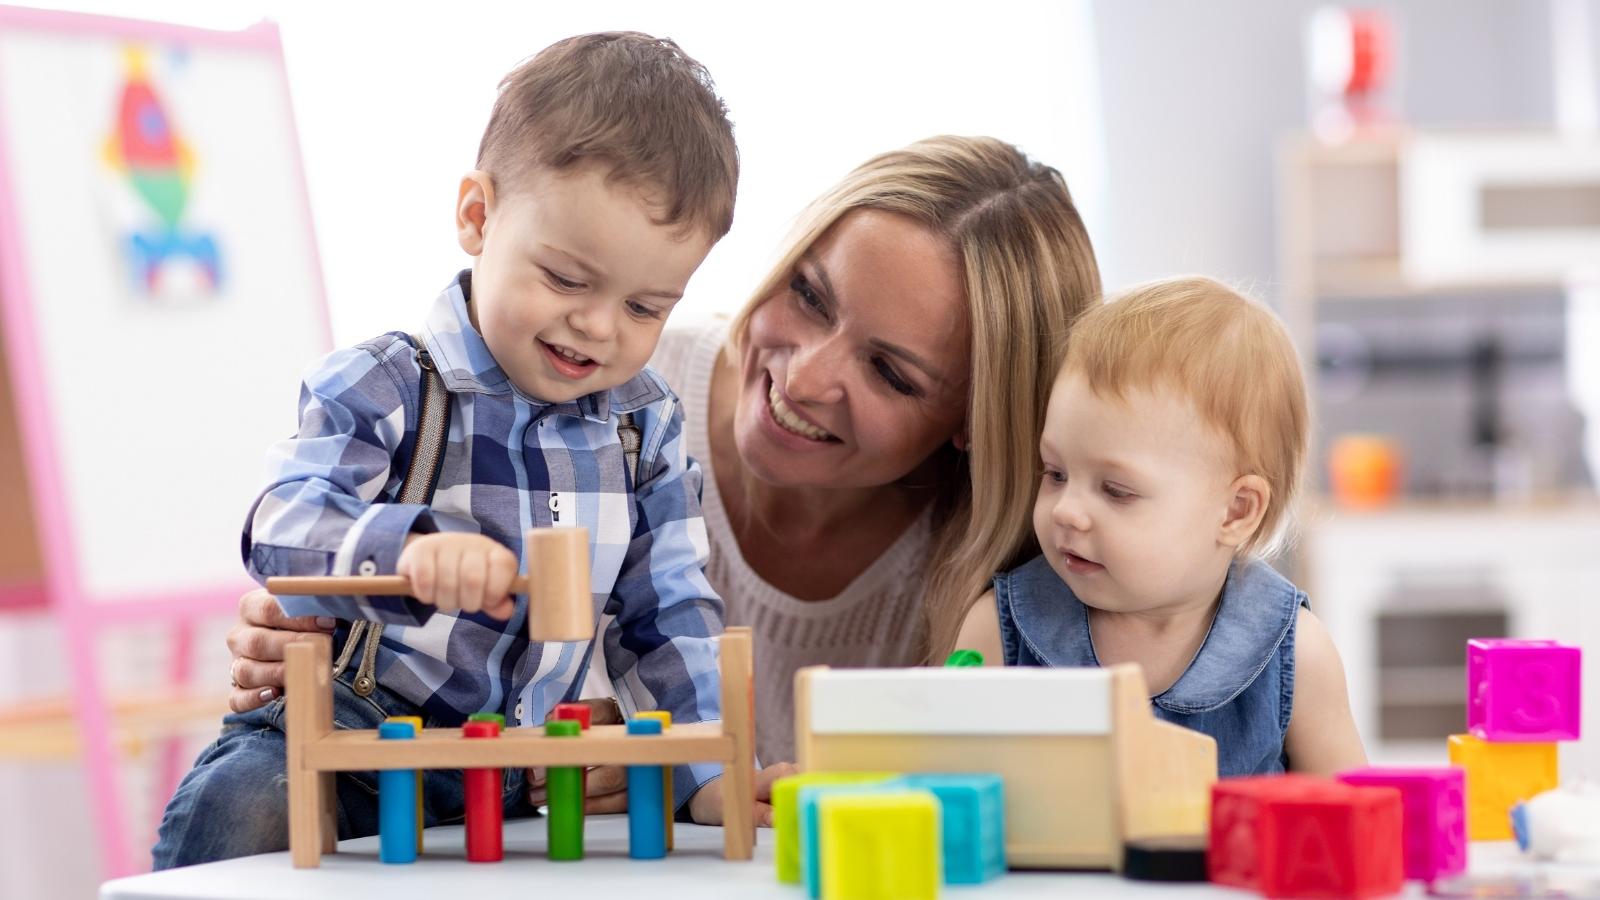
x=875, y=621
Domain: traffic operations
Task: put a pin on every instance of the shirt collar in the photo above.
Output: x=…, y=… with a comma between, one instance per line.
x=467, y=366
x=1258, y=606
x=1257, y=610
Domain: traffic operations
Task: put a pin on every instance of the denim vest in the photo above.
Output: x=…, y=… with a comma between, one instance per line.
x=1239, y=688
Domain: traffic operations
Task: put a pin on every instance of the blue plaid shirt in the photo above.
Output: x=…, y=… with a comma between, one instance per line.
x=510, y=464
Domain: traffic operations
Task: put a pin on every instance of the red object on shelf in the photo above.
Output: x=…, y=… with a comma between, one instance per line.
x=1296, y=836
x=579, y=711
x=1371, y=50
x=485, y=815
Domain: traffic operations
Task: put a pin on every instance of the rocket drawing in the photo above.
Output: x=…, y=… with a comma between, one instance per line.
x=146, y=149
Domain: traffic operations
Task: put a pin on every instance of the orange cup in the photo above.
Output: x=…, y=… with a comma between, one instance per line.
x=1364, y=470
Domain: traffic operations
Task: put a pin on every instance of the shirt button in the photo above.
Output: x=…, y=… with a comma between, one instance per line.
x=519, y=711
x=367, y=567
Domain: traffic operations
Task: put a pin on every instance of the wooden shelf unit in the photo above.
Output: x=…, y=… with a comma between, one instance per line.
x=1414, y=214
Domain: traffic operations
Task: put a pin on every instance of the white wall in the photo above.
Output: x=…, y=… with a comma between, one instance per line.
x=1195, y=95
x=391, y=117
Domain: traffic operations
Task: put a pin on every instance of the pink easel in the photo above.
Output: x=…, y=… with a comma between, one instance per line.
x=57, y=581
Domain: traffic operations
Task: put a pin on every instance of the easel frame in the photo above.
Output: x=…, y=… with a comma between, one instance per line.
x=49, y=575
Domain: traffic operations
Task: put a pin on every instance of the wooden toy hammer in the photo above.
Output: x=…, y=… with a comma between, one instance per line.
x=560, y=605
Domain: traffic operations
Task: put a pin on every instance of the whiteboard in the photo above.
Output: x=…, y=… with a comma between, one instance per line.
x=161, y=292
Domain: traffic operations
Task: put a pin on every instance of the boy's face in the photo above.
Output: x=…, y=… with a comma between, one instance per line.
x=573, y=278
x=1138, y=501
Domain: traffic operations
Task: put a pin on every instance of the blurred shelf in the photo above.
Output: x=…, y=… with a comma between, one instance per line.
x=1423, y=685
x=1479, y=216
x=1410, y=752
x=47, y=730
x=1383, y=278
x=1322, y=507
x=1428, y=213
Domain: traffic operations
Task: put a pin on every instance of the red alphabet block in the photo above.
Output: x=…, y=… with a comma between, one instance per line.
x=1294, y=836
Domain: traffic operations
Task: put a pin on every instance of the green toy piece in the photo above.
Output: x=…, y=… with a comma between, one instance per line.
x=965, y=658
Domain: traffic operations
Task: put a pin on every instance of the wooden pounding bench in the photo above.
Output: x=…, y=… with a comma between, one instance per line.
x=560, y=609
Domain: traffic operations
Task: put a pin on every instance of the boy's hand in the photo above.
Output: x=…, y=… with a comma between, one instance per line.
x=705, y=807
x=459, y=571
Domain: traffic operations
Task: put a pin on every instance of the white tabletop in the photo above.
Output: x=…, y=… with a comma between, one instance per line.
x=694, y=869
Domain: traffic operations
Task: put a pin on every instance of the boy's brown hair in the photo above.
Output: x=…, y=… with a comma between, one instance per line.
x=633, y=102
x=1228, y=355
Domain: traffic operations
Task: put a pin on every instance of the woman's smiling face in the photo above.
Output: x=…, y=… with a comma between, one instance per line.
x=858, y=368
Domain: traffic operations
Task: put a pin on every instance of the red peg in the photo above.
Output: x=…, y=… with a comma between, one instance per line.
x=579, y=711
x=485, y=815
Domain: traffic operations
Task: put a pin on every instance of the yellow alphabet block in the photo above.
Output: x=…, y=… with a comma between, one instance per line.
x=880, y=846
x=786, y=814
x=1500, y=775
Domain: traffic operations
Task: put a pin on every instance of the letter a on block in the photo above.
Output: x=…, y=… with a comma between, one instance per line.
x=1311, y=866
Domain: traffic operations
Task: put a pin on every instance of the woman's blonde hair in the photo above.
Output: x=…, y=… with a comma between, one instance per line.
x=1029, y=269
x=1228, y=355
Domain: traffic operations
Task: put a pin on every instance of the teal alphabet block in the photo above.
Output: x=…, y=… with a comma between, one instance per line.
x=973, y=820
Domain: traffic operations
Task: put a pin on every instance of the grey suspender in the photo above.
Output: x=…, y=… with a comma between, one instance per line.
x=422, y=477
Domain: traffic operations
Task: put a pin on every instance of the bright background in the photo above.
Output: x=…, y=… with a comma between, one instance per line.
x=391, y=109
x=1167, y=120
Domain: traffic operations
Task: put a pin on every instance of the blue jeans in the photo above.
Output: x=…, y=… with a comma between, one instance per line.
x=235, y=801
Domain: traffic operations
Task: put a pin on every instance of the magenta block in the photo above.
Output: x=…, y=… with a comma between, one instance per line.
x=1433, y=816
x=1523, y=691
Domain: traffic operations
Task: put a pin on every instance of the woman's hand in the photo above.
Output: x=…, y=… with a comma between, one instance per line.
x=606, y=787
x=705, y=807
x=257, y=644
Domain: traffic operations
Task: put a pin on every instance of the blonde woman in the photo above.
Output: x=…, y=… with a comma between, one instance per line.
x=898, y=356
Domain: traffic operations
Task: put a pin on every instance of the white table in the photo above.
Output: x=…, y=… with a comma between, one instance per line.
x=694, y=869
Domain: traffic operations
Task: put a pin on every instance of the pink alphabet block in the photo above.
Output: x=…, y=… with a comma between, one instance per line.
x=1433, y=816
x=1523, y=691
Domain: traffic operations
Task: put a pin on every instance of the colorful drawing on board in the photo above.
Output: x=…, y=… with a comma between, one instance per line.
x=151, y=156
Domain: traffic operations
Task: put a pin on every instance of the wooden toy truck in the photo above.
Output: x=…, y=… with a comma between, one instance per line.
x=1086, y=764
x=560, y=609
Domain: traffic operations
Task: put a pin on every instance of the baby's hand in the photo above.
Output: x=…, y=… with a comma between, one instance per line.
x=459, y=571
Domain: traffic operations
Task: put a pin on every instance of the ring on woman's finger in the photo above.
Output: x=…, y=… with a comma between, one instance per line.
x=233, y=674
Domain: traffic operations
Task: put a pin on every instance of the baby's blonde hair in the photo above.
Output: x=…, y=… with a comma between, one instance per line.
x=1228, y=355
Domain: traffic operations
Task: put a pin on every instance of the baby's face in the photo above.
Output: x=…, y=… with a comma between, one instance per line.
x=573, y=279
x=1133, y=495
